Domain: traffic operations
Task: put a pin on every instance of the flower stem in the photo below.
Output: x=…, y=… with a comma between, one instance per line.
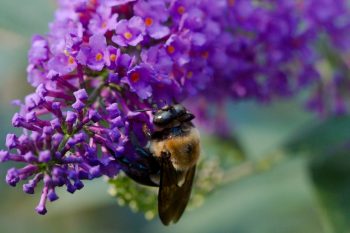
x=63, y=142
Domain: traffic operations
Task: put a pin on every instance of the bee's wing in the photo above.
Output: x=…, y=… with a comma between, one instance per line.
x=184, y=194
x=172, y=198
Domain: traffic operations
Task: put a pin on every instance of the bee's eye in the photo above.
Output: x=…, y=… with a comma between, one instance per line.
x=179, y=109
x=186, y=117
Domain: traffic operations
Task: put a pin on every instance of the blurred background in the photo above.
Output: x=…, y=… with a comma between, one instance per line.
x=302, y=194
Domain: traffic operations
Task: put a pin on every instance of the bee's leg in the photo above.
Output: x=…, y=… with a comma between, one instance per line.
x=177, y=174
x=146, y=130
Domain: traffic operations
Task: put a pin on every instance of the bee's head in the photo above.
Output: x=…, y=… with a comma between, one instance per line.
x=170, y=113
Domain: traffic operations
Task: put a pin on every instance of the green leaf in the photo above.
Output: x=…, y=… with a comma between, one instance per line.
x=323, y=144
x=331, y=176
x=319, y=137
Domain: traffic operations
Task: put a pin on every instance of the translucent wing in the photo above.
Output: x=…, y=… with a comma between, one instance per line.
x=172, y=198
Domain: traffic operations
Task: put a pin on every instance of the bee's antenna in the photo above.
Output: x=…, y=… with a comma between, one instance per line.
x=143, y=110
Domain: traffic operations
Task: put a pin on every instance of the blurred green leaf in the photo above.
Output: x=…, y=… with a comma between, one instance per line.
x=331, y=176
x=317, y=138
x=323, y=142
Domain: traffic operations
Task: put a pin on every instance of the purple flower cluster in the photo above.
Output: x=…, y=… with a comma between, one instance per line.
x=332, y=23
x=104, y=59
x=62, y=150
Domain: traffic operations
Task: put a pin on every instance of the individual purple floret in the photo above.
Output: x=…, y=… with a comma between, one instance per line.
x=154, y=14
x=129, y=32
x=94, y=54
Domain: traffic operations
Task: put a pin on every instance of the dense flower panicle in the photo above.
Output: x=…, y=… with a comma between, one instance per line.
x=104, y=59
x=331, y=19
x=62, y=151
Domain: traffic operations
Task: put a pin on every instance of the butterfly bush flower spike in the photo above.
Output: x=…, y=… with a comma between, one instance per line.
x=102, y=60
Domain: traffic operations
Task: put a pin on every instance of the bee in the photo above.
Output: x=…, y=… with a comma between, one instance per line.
x=169, y=161
x=175, y=144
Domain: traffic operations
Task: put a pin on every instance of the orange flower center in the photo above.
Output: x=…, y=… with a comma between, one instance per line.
x=170, y=49
x=127, y=35
x=99, y=57
x=148, y=21
x=181, y=10
x=205, y=54
x=71, y=60
x=104, y=25
x=231, y=2
x=135, y=77
x=113, y=57
x=189, y=74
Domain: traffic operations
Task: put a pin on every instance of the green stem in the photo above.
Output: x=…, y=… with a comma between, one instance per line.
x=63, y=142
x=116, y=87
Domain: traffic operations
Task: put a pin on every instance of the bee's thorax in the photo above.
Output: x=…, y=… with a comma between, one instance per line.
x=184, y=148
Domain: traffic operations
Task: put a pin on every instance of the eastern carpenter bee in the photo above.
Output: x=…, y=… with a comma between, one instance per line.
x=169, y=161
